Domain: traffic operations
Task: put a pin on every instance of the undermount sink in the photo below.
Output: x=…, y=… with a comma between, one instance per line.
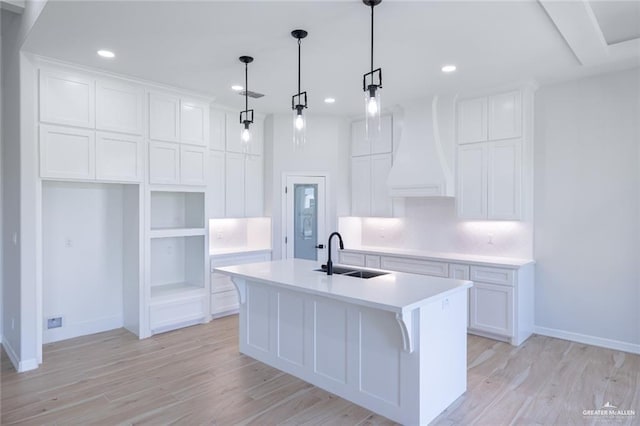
x=352, y=272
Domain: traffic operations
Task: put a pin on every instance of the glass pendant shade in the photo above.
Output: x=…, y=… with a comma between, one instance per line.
x=245, y=137
x=372, y=114
x=299, y=129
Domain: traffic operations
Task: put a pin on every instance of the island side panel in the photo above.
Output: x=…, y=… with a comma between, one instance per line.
x=353, y=351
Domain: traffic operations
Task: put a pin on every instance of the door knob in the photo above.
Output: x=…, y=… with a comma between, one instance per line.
x=320, y=246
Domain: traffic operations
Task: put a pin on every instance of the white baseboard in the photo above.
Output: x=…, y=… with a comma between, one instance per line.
x=589, y=340
x=20, y=366
x=69, y=331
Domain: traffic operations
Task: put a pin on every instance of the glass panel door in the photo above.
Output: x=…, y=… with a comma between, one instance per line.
x=305, y=221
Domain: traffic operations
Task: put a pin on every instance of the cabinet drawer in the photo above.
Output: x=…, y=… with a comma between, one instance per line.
x=458, y=272
x=492, y=275
x=224, y=302
x=237, y=259
x=221, y=283
x=424, y=267
x=164, y=316
x=372, y=261
x=356, y=259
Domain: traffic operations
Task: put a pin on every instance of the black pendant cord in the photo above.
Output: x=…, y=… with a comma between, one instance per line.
x=299, y=44
x=246, y=87
x=372, y=6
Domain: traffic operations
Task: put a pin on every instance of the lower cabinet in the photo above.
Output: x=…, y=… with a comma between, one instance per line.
x=224, y=296
x=500, y=301
x=172, y=314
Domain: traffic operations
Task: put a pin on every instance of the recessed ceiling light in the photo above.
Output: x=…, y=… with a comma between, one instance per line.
x=448, y=68
x=329, y=100
x=106, y=54
x=236, y=87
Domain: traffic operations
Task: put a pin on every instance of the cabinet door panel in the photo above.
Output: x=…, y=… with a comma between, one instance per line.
x=67, y=153
x=233, y=129
x=119, y=157
x=384, y=144
x=194, y=122
x=119, y=107
x=164, y=116
x=217, y=130
x=361, y=186
x=164, y=163
x=234, y=184
x=216, y=184
x=505, y=115
x=381, y=203
x=504, y=180
x=359, y=143
x=472, y=120
x=472, y=185
x=67, y=99
x=253, y=195
x=491, y=308
x=193, y=165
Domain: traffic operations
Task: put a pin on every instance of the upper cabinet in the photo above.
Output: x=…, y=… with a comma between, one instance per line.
x=164, y=117
x=505, y=115
x=67, y=98
x=382, y=145
x=194, y=122
x=490, y=166
x=67, y=153
x=119, y=107
x=217, y=130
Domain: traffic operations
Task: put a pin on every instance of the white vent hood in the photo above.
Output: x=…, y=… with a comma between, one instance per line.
x=423, y=163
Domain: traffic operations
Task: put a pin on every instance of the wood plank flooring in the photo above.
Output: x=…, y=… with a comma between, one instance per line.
x=197, y=376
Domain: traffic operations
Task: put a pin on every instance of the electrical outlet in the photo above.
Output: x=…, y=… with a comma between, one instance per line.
x=489, y=238
x=55, y=322
x=68, y=242
x=219, y=235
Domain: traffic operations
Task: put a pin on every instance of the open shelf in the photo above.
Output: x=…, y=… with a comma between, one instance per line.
x=177, y=265
x=175, y=289
x=178, y=232
x=177, y=210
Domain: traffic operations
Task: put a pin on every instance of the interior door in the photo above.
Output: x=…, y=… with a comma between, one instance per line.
x=305, y=216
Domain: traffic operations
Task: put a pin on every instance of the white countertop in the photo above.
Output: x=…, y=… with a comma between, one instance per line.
x=396, y=292
x=237, y=250
x=508, y=262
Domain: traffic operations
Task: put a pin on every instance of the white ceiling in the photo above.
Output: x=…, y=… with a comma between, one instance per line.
x=619, y=20
x=196, y=45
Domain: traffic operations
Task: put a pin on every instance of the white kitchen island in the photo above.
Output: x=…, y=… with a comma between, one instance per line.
x=395, y=344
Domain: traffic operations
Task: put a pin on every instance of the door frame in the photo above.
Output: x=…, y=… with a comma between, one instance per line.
x=284, y=212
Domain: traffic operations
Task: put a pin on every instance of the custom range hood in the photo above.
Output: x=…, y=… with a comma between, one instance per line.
x=424, y=160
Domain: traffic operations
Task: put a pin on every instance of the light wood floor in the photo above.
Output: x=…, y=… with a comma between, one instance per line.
x=196, y=376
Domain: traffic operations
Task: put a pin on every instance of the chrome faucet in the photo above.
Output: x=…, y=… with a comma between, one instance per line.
x=329, y=262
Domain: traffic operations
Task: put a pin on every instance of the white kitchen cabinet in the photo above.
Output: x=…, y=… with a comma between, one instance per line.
x=234, y=185
x=171, y=314
x=415, y=266
x=217, y=130
x=372, y=261
x=164, y=117
x=491, y=309
x=504, y=180
x=472, y=120
x=119, y=107
x=224, y=296
x=382, y=145
x=490, y=180
x=67, y=153
x=164, y=163
x=361, y=186
x=472, y=181
x=119, y=157
x=67, y=98
x=355, y=259
x=253, y=188
x=459, y=272
x=369, y=191
x=381, y=203
x=505, y=115
x=193, y=165
x=194, y=122
x=216, y=184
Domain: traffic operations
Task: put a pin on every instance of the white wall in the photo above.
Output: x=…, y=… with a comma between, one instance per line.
x=587, y=207
x=327, y=150
x=430, y=224
x=82, y=257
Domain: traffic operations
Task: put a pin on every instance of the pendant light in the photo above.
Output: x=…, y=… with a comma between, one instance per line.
x=299, y=102
x=371, y=85
x=246, y=116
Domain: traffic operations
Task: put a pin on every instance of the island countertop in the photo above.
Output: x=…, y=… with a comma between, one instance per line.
x=396, y=291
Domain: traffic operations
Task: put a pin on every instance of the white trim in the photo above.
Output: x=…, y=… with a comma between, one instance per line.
x=20, y=366
x=589, y=340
